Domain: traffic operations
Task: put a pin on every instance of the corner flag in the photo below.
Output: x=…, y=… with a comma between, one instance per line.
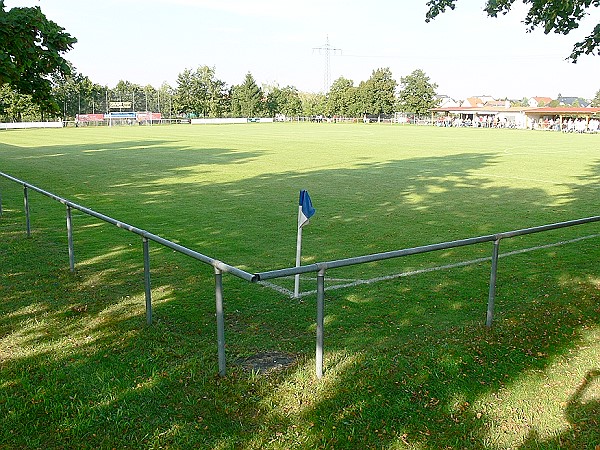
x=305, y=212
x=306, y=209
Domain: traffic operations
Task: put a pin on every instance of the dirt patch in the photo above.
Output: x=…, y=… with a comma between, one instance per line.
x=266, y=362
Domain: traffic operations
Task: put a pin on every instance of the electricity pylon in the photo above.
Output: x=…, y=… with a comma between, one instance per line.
x=327, y=50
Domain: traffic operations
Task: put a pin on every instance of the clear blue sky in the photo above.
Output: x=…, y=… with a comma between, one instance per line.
x=463, y=51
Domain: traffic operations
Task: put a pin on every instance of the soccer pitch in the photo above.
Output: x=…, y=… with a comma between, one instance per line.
x=407, y=363
x=230, y=191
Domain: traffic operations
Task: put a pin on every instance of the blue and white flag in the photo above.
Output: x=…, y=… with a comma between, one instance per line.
x=306, y=209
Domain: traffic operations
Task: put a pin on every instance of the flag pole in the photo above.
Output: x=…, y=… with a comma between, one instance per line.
x=298, y=254
x=305, y=212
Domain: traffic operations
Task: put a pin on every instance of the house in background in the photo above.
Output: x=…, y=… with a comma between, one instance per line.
x=538, y=102
x=498, y=103
x=446, y=102
x=472, y=102
x=573, y=101
x=540, y=112
x=486, y=99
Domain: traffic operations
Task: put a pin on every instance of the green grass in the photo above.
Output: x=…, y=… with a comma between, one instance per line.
x=408, y=362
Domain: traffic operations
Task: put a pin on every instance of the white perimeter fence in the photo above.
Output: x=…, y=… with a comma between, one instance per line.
x=27, y=125
x=318, y=268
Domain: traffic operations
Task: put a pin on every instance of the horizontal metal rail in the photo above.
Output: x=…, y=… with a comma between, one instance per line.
x=315, y=267
x=143, y=233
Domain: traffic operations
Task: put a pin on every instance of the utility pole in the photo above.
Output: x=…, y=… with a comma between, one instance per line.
x=327, y=50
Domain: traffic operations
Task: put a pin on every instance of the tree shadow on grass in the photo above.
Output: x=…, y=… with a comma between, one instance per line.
x=399, y=373
x=582, y=415
x=116, y=160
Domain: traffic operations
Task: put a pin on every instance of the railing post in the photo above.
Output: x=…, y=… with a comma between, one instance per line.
x=492, y=293
x=147, y=280
x=26, y=202
x=220, y=320
x=320, y=321
x=70, y=239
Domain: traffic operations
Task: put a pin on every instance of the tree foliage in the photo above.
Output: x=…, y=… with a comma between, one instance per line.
x=73, y=93
x=17, y=107
x=313, y=104
x=558, y=16
x=378, y=93
x=77, y=94
x=200, y=93
x=31, y=51
x=342, y=99
x=284, y=101
x=417, y=93
x=247, y=99
x=596, y=100
x=520, y=103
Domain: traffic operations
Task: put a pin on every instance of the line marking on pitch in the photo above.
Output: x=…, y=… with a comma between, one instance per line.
x=354, y=282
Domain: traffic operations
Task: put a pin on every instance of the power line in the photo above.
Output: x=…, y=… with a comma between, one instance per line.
x=327, y=50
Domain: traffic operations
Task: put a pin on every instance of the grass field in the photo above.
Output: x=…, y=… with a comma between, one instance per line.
x=408, y=362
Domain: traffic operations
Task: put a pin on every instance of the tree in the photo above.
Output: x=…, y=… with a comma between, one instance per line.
x=313, y=104
x=96, y=98
x=76, y=94
x=218, y=102
x=284, y=101
x=165, y=99
x=247, y=98
x=520, y=103
x=126, y=91
x=342, y=98
x=31, y=49
x=417, y=93
x=596, y=100
x=184, y=98
x=17, y=107
x=561, y=17
x=200, y=93
x=378, y=93
x=212, y=92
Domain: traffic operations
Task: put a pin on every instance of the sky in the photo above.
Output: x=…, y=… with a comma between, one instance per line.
x=280, y=42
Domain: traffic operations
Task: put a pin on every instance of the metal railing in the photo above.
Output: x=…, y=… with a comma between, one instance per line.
x=219, y=266
x=320, y=268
